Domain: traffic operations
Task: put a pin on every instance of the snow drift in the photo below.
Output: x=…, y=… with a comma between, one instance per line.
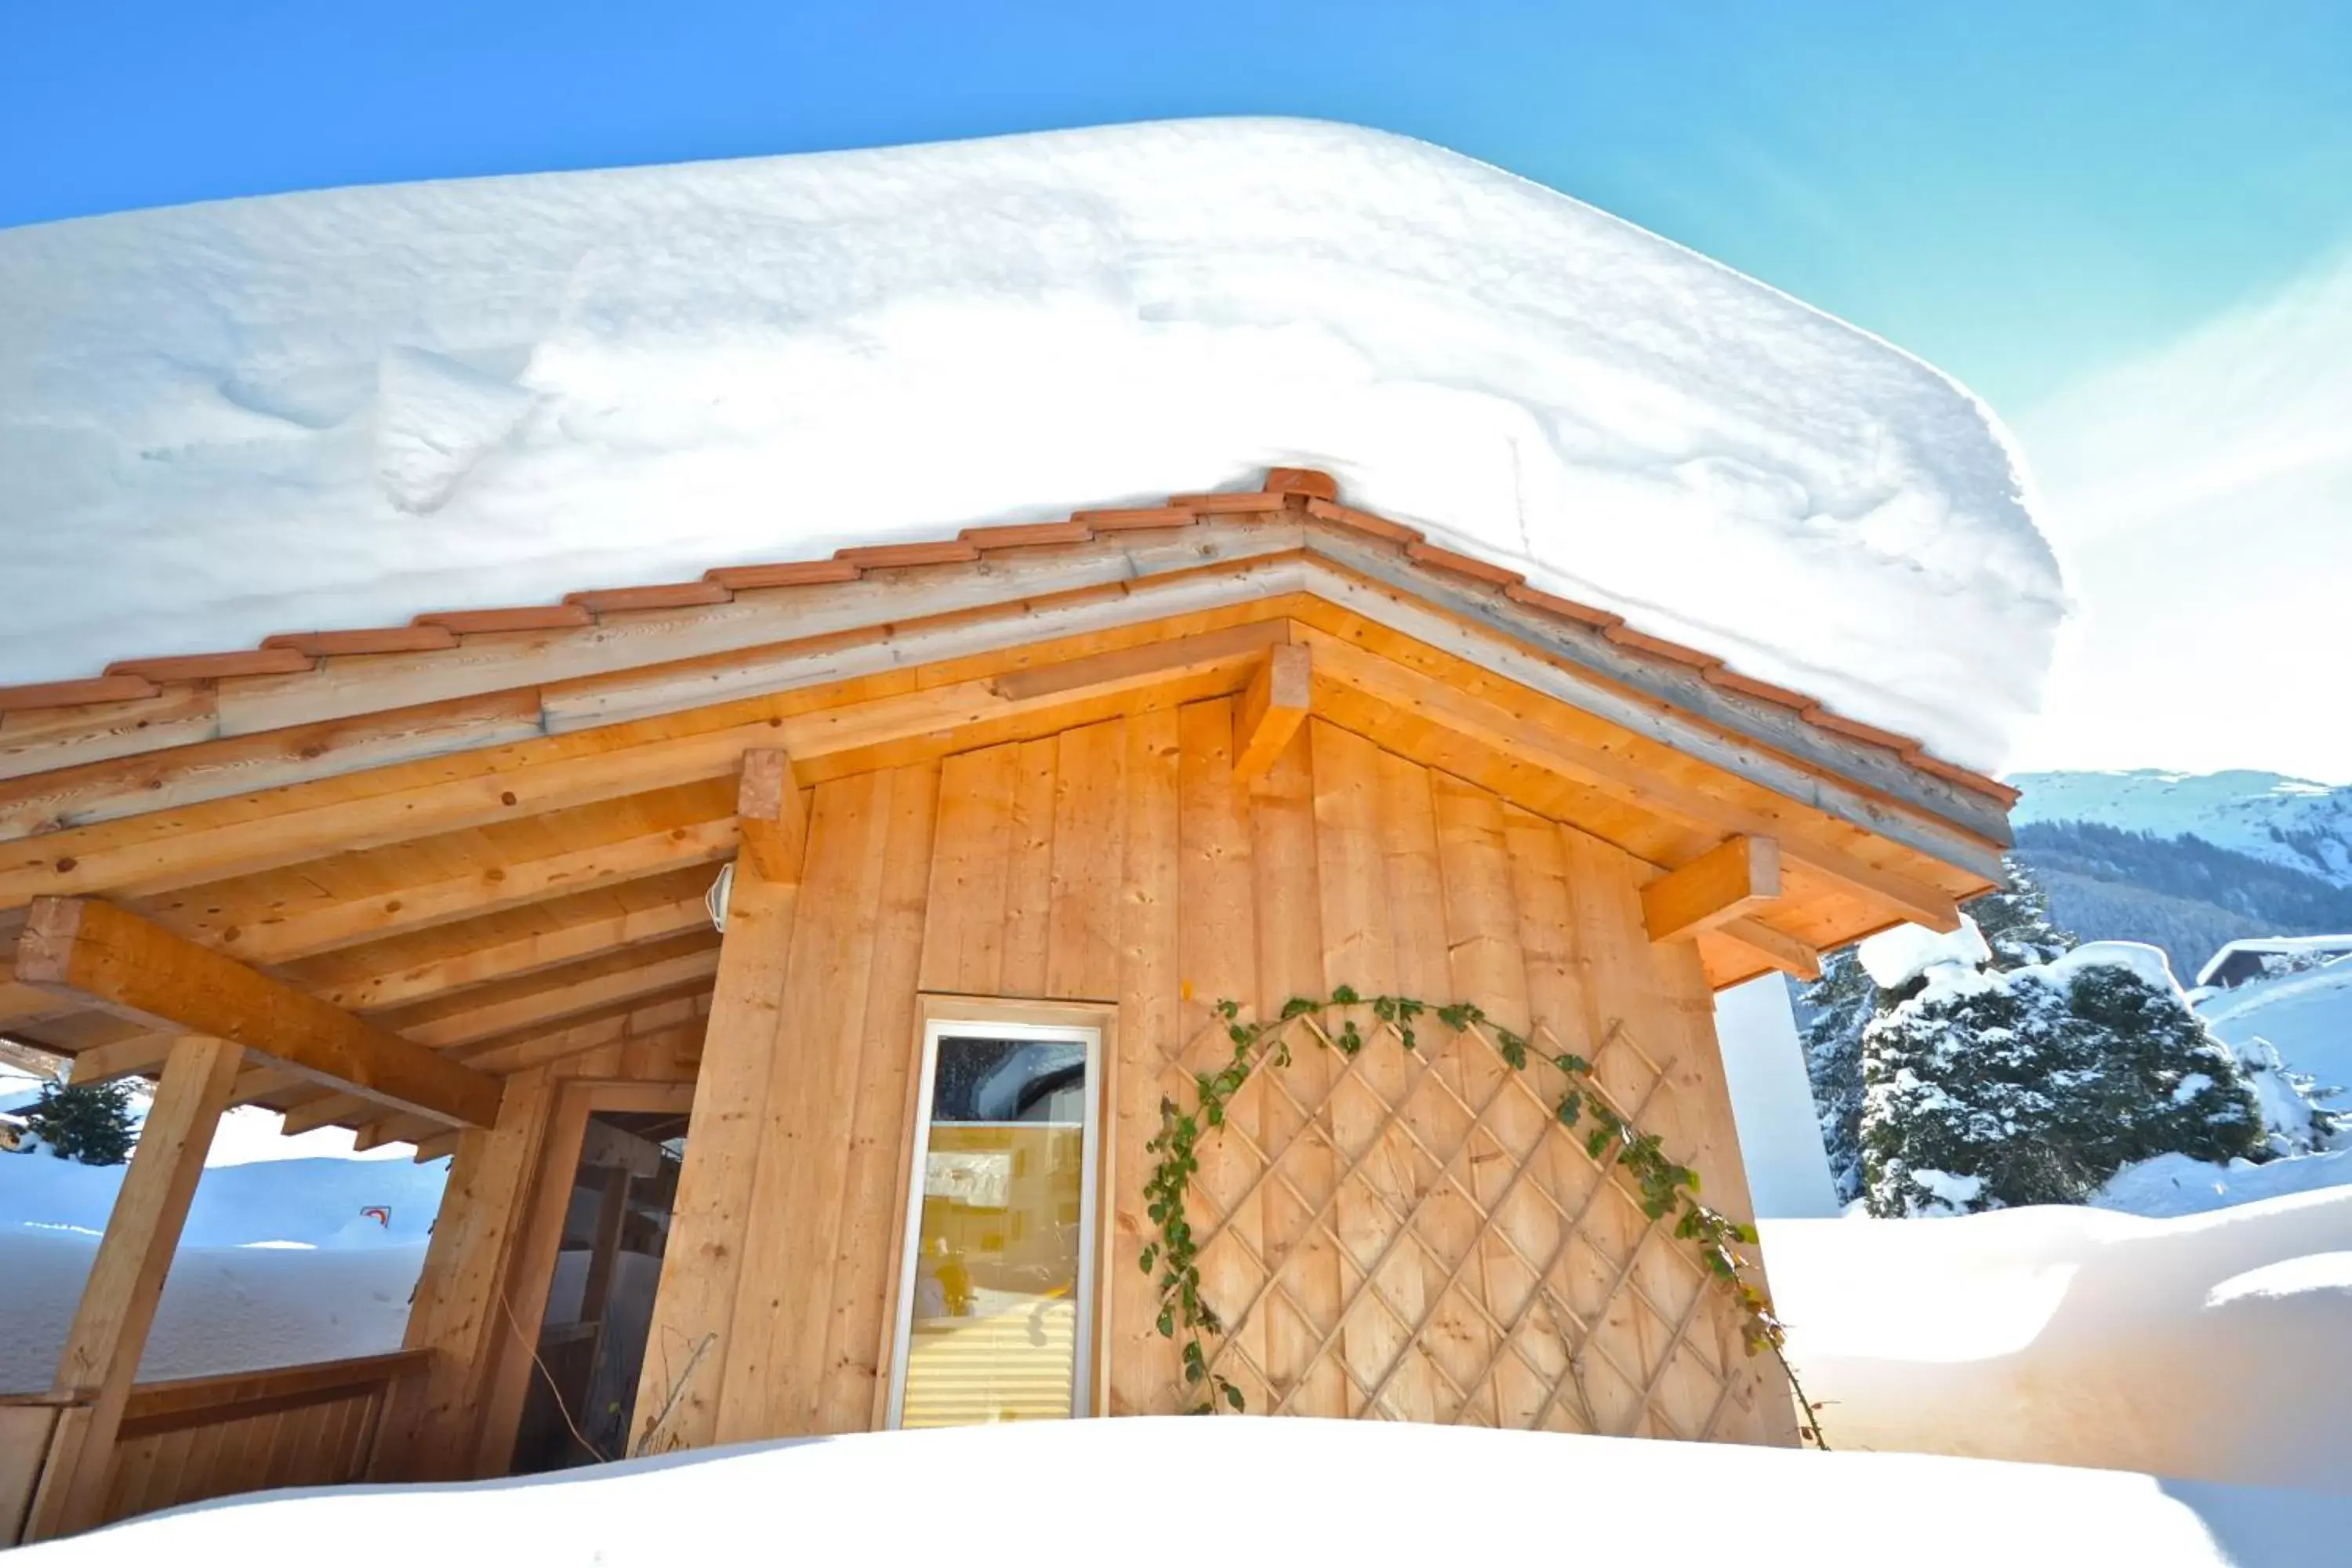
x=342, y=408
x=1292, y=1492
x=2212, y=1346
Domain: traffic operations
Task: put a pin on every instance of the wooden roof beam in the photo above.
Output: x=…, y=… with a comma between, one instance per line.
x=1736, y=878
x=1773, y=949
x=113, y=959
x=1498, y=728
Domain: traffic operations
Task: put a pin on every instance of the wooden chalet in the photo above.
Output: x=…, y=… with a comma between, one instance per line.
x=1008, y=816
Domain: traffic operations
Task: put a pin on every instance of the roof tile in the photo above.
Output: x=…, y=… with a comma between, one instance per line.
x=1857, y=729
x=783, y=574
x=216, y=666
x=373, y=639
x=930, y=552
x=521, y=618
x=1363, y=522
x=1568, y=609
x=653, y=596
x=75, y=693
x=1462, y=566
x=1012, y=535
x=1224, y=501
x=1116, y=520
x=1660, y=647
x=1313, y=483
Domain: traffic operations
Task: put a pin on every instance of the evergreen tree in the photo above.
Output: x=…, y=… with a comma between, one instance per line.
x=1837, y=1006
x=2015, y=922
x=1984, y=1088
x=89, y=1122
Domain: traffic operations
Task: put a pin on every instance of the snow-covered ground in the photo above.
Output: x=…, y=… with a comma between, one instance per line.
x=2306, y=1018
x=2210, y=1346
x=279, y=1263
x=339, y=408
x=1274, y=1492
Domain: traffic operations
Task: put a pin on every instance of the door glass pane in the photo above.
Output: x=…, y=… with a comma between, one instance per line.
x=993, y=1332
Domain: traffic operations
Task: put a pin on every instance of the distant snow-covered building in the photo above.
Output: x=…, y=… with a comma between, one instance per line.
x=2268, y=957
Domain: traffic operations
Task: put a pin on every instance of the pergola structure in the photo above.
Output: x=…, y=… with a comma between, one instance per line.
x=446, y=884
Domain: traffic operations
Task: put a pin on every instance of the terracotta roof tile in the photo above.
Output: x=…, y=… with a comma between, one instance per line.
x=1763, y=690
x=1660, y=647
x=373, y=639
x=1010, y=535
x=1535, y=598
x=1310, y=482
x=1225, y=502
x=783, y=574
x=1114, y=519
x=1285, y=489
x=75, y=693
x=1462, y=566
x=931, y=553
x=523, y=618
x=1857, y=729
x=216, y=666
x=1363, y=522
x=653, y=596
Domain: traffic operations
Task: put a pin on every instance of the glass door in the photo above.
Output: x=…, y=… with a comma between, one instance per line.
x=996, y=1285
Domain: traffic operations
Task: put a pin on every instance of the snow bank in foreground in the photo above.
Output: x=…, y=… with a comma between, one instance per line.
x=343, y=407
x=2210, y=1347
x=1289, y=1491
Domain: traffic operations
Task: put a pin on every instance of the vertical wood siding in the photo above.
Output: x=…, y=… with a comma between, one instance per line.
x=1400, y=1234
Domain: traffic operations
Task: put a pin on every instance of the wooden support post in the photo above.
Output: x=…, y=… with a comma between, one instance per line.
x=1271, y=709
x=774, y=822
x=113, y=959
x=1736, y=878
x=694, y=1306
x=109, y=1328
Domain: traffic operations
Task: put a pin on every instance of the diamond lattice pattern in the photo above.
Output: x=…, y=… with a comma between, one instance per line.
x=1412, y=1235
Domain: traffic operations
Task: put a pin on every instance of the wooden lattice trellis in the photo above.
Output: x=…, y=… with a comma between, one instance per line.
x=1410, y=1233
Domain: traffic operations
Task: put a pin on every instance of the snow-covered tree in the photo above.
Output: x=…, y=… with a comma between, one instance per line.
x=1984, y=1087
x=89, y=1122
x=1836, y=1008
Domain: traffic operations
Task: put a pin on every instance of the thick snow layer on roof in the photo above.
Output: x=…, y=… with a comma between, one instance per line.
x=342, y=408
x=1293, y=1491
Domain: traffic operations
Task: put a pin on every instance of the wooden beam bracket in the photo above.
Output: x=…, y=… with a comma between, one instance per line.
x=1733, y=879
x=1271, y=709
x=774, y=822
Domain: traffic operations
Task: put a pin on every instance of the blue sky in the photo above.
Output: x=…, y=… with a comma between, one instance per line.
x=2125, y=224
x=2017, y=192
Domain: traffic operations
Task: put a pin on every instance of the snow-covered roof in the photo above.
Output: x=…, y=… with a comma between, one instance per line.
x=339, y=408
x=2283, y=946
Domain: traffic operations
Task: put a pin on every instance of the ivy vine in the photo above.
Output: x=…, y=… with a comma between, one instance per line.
x=1664, y=1185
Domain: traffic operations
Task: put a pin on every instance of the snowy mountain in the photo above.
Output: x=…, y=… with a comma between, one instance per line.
x=2295, y=823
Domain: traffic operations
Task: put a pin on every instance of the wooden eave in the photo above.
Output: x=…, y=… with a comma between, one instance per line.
x=487, y=832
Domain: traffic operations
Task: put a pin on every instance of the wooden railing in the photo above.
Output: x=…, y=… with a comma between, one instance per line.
x=198, y=1438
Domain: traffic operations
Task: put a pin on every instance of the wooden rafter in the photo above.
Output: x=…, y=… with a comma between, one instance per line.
x=114, y=960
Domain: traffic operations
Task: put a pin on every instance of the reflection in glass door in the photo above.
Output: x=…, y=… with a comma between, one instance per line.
x=995, y=1294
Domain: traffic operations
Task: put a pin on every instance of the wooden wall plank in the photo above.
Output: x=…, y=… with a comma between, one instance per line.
x=1143, y=1365
x=1217, y=960
x=849, y=1374
x=1290, y=963
x=772, y=1382
x=1089, y=824
x=963, y=939
x=1029, y=868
